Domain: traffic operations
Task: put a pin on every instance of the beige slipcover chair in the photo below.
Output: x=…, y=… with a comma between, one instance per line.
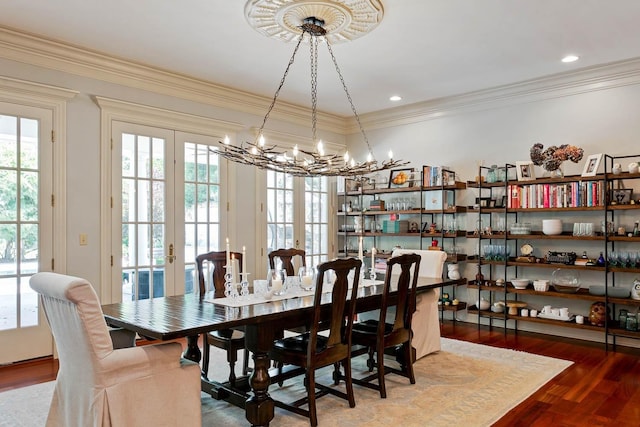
x=425, y=324
x=99, y=386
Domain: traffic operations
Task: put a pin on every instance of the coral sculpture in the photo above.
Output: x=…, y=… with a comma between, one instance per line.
x=551, y=158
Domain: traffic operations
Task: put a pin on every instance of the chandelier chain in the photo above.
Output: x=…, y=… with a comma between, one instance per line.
x=346, y=91
x=284, y=77
x=313, y=48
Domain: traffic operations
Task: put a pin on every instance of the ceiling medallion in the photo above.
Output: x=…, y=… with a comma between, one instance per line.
x=344, y=20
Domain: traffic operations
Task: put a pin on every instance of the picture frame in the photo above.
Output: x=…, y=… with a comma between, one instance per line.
x=402, y=178
x=524, y=171
x=592, y=164
x=501, y=202
x=621, y=196
x=484, y=202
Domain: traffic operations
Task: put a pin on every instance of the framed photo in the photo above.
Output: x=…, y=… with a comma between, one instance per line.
x=484, y=202
x=524, y=171
x=592, y=164
x=621, y=196
x=501, y=202
x=399, y=178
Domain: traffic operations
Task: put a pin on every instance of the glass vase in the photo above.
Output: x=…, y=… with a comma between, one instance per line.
x=556, y=173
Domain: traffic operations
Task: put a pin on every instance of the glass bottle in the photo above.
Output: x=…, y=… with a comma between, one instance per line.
x=636, y=232
x=491, y=174
x=600, y=260
x=622, y=318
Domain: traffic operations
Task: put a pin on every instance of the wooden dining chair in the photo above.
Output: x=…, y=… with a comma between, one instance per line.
x=312, y=350
x=230, y=340
x=287, y=257
x=378, y=335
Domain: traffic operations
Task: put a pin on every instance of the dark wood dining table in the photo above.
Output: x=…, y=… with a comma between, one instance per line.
x=180, y=316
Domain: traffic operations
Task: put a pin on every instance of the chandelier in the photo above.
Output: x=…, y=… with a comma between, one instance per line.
x=298, y=161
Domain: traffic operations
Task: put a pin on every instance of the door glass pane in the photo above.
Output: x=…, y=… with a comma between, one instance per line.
x=19, y=216
x=315, y=214
x=280, y=224
x=143, y=216
x=201, y=204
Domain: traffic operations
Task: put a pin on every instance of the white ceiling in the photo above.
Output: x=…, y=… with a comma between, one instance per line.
x=422, y=49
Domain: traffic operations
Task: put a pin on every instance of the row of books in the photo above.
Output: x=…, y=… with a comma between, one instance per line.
x=569, y=195
x=433, y=176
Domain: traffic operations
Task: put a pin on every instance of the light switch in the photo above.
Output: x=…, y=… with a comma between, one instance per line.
x=83, y=239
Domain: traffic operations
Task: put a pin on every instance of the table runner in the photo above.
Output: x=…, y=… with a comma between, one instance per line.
x=241, y=301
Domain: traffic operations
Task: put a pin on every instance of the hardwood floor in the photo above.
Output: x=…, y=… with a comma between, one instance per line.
x=600, y=389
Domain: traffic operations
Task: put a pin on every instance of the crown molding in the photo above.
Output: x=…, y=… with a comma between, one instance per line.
x=27, y=48
x=34, y=50
x=591, y=79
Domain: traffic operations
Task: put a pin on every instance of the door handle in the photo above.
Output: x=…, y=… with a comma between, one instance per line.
x=171, y=256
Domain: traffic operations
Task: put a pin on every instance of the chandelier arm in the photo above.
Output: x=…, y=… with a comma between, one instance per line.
x=346, y=91
x=284, y=77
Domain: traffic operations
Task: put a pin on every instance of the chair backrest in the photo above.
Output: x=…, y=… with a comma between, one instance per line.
x=342, y=310
x=286, y=257
x=406, y=284
x=75, y=316
x=431, y=262
x=217, y=262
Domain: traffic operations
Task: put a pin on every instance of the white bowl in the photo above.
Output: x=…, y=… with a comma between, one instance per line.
x=552, y=227
x=520, y=283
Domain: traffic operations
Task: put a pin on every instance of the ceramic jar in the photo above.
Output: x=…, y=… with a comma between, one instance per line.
x=635, y=290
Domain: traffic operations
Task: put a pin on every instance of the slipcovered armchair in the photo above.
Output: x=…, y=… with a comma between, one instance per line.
x=100, y=386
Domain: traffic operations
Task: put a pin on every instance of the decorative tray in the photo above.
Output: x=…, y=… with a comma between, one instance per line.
x=552, y=317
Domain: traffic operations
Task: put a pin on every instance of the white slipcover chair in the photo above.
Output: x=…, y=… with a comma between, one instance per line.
x=425, y=324
x=100, y=386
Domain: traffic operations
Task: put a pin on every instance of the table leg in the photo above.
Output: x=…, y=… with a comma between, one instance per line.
x=259, y=408
x=193, y=351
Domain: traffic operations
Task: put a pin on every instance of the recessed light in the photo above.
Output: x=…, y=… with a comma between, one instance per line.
x=395, y=98
x=570, y=58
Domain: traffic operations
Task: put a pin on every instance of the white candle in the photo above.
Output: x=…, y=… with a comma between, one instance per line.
x=307, y=282
x=228, y=252
x=276, y=285
x=373, y=257
x=360, y=250
x=244, y=260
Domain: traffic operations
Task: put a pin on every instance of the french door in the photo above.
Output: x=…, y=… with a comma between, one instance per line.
x=298, y=215
x=26, y=218
x=166, y=197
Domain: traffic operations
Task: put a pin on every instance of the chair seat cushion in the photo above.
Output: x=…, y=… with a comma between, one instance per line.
x=228, y=334
x=299, y=343
x=371, y=327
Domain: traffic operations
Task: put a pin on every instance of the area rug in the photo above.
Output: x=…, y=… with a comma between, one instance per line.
x=464, y=384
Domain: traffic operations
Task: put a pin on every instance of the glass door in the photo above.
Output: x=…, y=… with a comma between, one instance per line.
x=26, y=216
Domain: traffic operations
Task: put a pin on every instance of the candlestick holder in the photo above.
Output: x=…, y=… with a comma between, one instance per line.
x=230, y=289
x=244, y=285
x=372, y=273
